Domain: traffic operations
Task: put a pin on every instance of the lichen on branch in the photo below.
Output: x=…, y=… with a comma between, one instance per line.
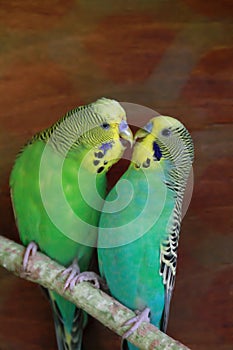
x=98, y=304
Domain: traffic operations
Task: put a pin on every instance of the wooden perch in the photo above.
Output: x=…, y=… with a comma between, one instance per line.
x=105, y=309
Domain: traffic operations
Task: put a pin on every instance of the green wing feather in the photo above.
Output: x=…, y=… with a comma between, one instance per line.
x=44, y=181
x=140, y=268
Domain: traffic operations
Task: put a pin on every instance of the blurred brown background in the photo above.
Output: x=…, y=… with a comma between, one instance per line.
x=172, y=56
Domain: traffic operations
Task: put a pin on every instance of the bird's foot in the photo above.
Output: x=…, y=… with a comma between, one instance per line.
x=29, y=252
x=75, y=277
x=90, y=276
x=73, y=270
x=142, y=316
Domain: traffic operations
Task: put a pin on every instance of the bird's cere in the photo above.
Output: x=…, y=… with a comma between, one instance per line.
x=125, y=132
x=148, y=127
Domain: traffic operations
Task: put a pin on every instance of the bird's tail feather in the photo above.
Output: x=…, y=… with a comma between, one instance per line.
x=165, y=317
x=67, y=339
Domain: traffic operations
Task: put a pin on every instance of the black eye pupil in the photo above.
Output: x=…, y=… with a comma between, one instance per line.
x=105, y=126
x=166, y=132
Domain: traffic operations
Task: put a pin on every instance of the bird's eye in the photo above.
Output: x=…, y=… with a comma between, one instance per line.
x=105, y=126
x=166, y=132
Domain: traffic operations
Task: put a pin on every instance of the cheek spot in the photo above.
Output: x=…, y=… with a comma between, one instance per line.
x=106, y=146
x=157, y=151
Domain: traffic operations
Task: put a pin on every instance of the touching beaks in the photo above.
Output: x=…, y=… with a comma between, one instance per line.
x=126, y=133
x=141, y=133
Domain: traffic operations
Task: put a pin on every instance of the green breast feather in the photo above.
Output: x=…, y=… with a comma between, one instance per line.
x=58, y=183
x=137, y=243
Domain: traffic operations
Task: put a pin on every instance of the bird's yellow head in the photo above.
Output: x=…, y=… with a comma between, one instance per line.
x=162, y=139
x=106, y=131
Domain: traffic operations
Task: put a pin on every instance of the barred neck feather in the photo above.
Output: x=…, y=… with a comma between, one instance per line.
x=177, y=158
x=82, y=125
x=66, y=132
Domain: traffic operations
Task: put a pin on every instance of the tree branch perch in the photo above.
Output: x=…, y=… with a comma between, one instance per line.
x=105, y=309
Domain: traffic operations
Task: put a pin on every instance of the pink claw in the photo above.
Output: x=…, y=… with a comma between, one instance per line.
x=76, y=277
x=137, y=320
x=73, y=270
x=30, y=252
x=89, y=276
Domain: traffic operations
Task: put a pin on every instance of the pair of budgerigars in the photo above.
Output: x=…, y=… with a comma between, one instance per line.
x=58, y=186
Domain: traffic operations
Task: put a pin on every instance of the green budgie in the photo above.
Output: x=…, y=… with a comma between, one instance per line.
x=58, y=183
x=140, y=222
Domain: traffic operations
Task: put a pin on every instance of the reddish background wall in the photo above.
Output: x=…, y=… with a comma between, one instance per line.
x=172, y=56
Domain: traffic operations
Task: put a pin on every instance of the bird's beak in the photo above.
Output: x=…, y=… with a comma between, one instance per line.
x=125, y=132
x=141, y=133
